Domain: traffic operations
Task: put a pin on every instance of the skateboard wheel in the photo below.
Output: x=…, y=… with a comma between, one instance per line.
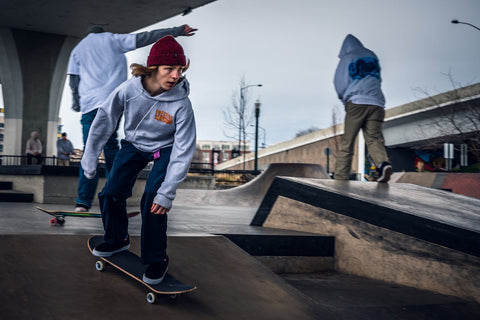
x=60, y=222
x=151, y=297
x=99, y=265
x=53, y=222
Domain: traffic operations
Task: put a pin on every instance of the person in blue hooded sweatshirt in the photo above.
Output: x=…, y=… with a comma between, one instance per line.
x=358, y=85
x=159, y=127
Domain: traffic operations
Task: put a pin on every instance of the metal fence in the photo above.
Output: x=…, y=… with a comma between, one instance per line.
x=231, y=177
x=8, y=160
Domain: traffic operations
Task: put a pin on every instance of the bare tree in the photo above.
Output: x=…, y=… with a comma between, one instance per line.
x=239, y=115
x=454, y=122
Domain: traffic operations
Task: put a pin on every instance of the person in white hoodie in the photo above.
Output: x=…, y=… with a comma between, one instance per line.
x=358, y=84
x=97, y=65
x=159, y=127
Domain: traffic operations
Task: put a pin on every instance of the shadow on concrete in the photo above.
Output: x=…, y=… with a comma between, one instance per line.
x=54, y=277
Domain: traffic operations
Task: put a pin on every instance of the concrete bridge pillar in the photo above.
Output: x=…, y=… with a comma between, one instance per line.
x=32, y=74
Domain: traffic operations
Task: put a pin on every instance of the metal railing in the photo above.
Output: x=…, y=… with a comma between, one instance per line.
x=9, y=160
x=223, y=176
x=201, y=168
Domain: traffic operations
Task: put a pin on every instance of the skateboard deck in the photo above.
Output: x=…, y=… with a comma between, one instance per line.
x=59, y=215
x=130, y=264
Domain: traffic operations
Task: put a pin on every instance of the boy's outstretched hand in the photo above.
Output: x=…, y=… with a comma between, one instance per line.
x=189, y=31
x=158, y=209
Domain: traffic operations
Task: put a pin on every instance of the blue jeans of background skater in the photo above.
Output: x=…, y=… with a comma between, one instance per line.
x=88, y=187
x=128, y=162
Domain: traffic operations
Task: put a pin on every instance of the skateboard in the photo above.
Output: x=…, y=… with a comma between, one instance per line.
x=130, y=264
x=59, y=215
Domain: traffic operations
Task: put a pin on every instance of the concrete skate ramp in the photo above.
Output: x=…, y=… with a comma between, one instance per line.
x=464, y=183
x=54, y=277
x=251, y=193
x=396, y=232
x=432, y=215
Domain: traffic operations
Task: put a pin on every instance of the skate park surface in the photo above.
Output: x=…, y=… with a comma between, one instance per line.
x=48, y=273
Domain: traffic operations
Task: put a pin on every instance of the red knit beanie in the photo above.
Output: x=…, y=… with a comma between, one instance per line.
x=166, y=52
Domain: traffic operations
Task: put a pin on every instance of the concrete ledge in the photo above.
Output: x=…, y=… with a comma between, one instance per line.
x=377, y=253
x=464, y=183
x=424, y=179
x=431, y=215
x=15, y=196
x=297, y=265
x=6, y=185
x=284, y=245
x=289, y=253
x=400, y=233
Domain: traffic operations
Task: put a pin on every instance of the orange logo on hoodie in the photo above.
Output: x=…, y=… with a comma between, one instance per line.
x=163, y=116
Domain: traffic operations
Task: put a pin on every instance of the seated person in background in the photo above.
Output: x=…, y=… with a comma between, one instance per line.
x=34, y=148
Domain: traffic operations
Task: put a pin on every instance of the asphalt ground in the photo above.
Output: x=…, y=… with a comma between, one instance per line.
x=48, y=273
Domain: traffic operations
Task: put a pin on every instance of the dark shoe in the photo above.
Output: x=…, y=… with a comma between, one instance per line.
x=384, y=172
x=156, y=272
x=107, y=250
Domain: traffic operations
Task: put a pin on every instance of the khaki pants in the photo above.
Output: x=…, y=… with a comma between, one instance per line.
x=63, y=162
x=369, y=118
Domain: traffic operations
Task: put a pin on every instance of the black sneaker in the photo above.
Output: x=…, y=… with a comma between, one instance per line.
x=384, y=172
x=156, y=272
x=106, y=250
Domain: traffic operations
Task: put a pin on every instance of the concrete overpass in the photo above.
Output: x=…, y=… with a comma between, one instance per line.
x=36, y=38
x=453, y=117
x=450, y=116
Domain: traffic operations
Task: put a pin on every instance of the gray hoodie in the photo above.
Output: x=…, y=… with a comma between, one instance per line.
x=357, y=78
x=151, y=123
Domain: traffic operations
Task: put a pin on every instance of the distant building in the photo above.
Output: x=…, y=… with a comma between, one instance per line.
x=218, y=151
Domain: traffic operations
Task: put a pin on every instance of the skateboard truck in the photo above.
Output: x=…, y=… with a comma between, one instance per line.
x=58, y=221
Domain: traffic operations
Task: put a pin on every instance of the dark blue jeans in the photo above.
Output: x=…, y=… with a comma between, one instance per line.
x=128, y=162
x=88, y=187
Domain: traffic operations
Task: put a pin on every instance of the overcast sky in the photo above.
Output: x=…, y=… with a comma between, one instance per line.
x=291, y=48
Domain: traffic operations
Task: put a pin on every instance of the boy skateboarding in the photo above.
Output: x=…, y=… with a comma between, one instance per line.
x=159, y=127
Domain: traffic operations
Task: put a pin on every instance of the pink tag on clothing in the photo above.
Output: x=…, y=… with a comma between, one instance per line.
x=156, y=155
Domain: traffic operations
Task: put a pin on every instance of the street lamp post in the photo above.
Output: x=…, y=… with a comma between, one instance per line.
x=264, y=144
x=257, y=115
x=263, y=134
x=468, y=24
x=241, y=125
